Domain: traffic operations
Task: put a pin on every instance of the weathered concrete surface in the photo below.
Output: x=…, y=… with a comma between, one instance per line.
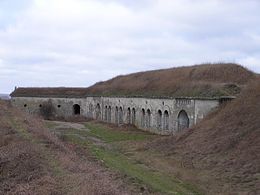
x=163, y=116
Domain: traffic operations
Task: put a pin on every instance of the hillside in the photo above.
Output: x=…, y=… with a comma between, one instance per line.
x=35, y=161
x=226, y=144
x=205, y=80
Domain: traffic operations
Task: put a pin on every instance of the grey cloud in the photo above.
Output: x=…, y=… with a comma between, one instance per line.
x=47, y=41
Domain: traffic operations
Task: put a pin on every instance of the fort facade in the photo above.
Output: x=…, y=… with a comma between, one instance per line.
x=158, y=115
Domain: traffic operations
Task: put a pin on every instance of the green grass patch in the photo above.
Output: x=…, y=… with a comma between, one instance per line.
x=50, y=124
x=157, y=181
x=74, y=138
x=20, y=129
x=110, y=135
x=114, y=158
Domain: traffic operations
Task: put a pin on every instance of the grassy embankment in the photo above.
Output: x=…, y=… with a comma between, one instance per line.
x=26, y=161
x=205, y=80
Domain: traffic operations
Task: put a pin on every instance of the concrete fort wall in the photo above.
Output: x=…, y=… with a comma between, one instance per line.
x=162, y=116
x=63, y=107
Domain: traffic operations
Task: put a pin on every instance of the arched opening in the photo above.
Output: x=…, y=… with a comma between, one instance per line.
x=183, y=120
x=109, y=114
x=116, y=115
x=76, y=109
x=90, y=109
x=120, y=115
x=98, y=112
x=133, y=116
x=143, y=118
x=128, y=115
x=148, y=120
x=106, y=113
x=159, y=119
x=166, y=120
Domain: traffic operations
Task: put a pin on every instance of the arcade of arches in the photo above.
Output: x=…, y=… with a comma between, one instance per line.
x=146, y=117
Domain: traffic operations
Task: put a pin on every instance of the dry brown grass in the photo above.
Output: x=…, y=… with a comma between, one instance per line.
x=49, y=92
x=226, y=144
x=199, y=80
x=206, y=80
x=34, y=161
x=22, y=166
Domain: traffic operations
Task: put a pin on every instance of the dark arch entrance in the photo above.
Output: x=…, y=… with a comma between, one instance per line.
x=159, y=119
x=98, y=112
x=148, y=119
x=120, y=115
x=166, y=120
x=133, y=116
x=116, y=115
x=76, y=109
x=143, y=118
x=183, y=120
x=128, y=115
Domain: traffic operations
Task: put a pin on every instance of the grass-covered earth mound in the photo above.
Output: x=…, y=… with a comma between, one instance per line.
x=206, y=80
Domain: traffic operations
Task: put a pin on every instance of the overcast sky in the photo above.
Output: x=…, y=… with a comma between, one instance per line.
x=80, y=42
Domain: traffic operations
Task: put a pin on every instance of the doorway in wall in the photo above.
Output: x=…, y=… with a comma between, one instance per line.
x=183, y=120
x=76, y=109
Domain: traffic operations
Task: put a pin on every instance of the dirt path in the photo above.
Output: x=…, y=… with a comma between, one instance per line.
x=67, y=125
x=121, y=151
x=59, y=126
